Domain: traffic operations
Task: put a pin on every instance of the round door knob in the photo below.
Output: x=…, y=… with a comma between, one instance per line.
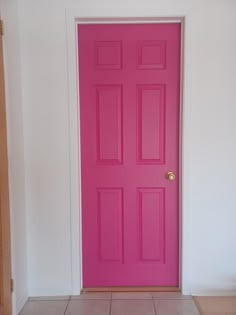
x=170, y=176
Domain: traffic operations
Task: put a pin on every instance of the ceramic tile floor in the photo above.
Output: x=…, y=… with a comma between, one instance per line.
x=140, y=303
x=216, y=305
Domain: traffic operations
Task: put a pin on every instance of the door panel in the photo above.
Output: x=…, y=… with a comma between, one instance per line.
x=151, y=123
x=129, y=109
x=110, y=224
x=151, y=224
x=109, y=124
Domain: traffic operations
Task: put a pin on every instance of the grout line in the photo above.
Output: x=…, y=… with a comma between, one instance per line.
x=67, y=306
x=171, y=299
x=133, y=300
x=196, y=302
x=154, y=307
x=91, y=299
x=46, y=300
x=21, y=312
x=110, y=307
x=130, y=299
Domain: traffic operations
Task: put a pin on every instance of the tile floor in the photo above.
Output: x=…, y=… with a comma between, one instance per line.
x=216, y=305
x=140, y=303
x=136, y=303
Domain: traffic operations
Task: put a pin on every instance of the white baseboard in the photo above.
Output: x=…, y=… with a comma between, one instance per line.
x=35, y=292
x=185, y=291
x=213, y=289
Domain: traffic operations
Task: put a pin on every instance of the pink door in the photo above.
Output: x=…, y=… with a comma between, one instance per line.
x=129, y=105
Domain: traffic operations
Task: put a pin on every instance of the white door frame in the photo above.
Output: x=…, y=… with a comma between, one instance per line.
x=73, y=18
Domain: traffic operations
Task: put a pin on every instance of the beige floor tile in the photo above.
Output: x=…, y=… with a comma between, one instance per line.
x=218, y=313
x=131, y=296
x=217, y=305
x=170, y=295
x=50, y=298
x=88, y=307
x=175, y=307
x=44, y=308
x=132, y=307
x=92, y=296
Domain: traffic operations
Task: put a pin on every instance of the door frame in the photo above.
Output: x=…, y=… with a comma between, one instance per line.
x=73, y=18
x=5, y=238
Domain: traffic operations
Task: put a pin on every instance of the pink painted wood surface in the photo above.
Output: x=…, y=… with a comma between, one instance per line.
x=129, y=109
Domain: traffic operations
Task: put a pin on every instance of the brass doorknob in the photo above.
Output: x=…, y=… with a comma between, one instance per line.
x=170, y=176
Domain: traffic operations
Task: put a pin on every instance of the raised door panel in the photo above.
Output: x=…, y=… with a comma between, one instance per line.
x=110, y=225
x=109, y=124
x=151, y=124
x=108, y=55
x=151, y=55
x=151, y=218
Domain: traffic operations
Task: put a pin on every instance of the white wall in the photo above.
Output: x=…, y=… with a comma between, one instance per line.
x=209, y=151
x=12, y=63
x=211, y=147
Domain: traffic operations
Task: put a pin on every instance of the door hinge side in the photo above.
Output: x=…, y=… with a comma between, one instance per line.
x=1, y=27
x=12, y=285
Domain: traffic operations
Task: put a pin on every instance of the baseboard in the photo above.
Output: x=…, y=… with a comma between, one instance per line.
x=213, y=289
x=20, y=302
x=35, y=292
x=185, y=291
